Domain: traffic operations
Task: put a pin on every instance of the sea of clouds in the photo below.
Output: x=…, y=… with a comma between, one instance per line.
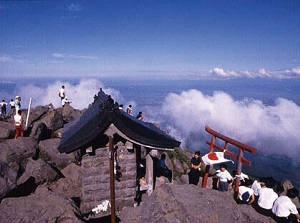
x=272, y=129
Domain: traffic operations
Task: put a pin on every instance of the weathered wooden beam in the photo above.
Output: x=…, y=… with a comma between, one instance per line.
x=231, y=141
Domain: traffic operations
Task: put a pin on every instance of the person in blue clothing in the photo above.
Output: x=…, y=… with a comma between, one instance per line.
x=162, y=169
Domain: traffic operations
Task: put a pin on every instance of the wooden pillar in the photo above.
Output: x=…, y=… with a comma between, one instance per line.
x=112, y=181
x=205, y=177
x=149, y=173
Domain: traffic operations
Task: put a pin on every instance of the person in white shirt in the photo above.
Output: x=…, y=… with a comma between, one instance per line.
x=62, y=94
x=246, y=193
x=266, y=198
x=223, y=177
x=65, y=101
x=18, y=124
x=284, y=209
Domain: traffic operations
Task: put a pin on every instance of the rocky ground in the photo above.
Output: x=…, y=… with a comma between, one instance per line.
x=38, y=184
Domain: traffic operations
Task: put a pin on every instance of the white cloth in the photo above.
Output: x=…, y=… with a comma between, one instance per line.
x=18, y=120
x=224, y=176
x=256, y=186
x=283, y=207
x=242, y=190
x=266, y=198
x=214, y=158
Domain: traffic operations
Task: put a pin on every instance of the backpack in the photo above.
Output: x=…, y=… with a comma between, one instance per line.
x=59, y=94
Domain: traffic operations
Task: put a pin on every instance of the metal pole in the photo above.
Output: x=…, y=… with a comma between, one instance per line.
x=112, y=181
x=28, y=112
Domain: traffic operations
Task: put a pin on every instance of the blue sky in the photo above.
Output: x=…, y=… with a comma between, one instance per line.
x=208, y=38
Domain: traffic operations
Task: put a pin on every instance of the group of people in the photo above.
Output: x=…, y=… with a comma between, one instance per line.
x=63, y=97
x=15, y=104
x=260, y=194
x=267, y=202
x=140, y=115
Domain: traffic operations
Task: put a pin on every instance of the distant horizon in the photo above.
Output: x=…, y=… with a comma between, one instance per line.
x=172, y=38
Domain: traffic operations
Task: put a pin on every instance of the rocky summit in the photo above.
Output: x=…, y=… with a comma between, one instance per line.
x=38, y=184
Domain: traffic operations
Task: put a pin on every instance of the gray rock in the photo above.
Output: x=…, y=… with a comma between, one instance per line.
x=191, y=204
x=40, y=170
x=74, y=173
x=8, y=179
x=50, y=153
x=42, y=206
x=16, y=151
x=7, y=130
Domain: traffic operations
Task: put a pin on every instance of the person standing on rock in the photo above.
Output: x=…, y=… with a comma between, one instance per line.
x=62, y=94
x=3, y=108
x=194, y=173
x=19, y=124
x=223, y=177
x=17, y=103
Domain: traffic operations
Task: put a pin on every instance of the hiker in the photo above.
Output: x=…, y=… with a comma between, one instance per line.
x=245, y=192
x=223, y=177
x=12, y=104
x=62, y=94
x=65, y=101
x=140, y=116
x=3, y=105
x=129, y=110
x=194, y=173
x=19, y=124
x=266, y=198
x=17, y=103
x=284, y=209
x=162, y=169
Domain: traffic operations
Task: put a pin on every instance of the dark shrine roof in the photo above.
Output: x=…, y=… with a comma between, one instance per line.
x=103, y=114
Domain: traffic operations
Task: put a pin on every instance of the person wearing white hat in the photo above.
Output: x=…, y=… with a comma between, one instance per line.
x=17, y=103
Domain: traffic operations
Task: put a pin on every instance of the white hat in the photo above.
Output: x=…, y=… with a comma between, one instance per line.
x=17, y=96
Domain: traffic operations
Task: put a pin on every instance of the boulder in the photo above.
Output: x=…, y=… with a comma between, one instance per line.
x=188, y=203
x=40, y=170
x=7, y=130
x=52, y=119
x=49, y=152
x=42, y=206
x=74, y=173
x=66, y=187
x=15, y=152
x=8, y=179
x=69, y=113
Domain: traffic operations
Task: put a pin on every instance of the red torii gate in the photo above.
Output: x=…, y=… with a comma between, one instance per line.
x=239, y=157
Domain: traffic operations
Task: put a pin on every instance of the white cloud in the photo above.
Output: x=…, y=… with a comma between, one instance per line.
x=74, y=7
x=70, y=56
x=5, y=58
x=58, y=55
x=221, y=72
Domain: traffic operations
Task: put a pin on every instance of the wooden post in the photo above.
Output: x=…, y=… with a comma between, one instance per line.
x=207, y=167
x=112, y=181
x=238, y=170
x=205, y=177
